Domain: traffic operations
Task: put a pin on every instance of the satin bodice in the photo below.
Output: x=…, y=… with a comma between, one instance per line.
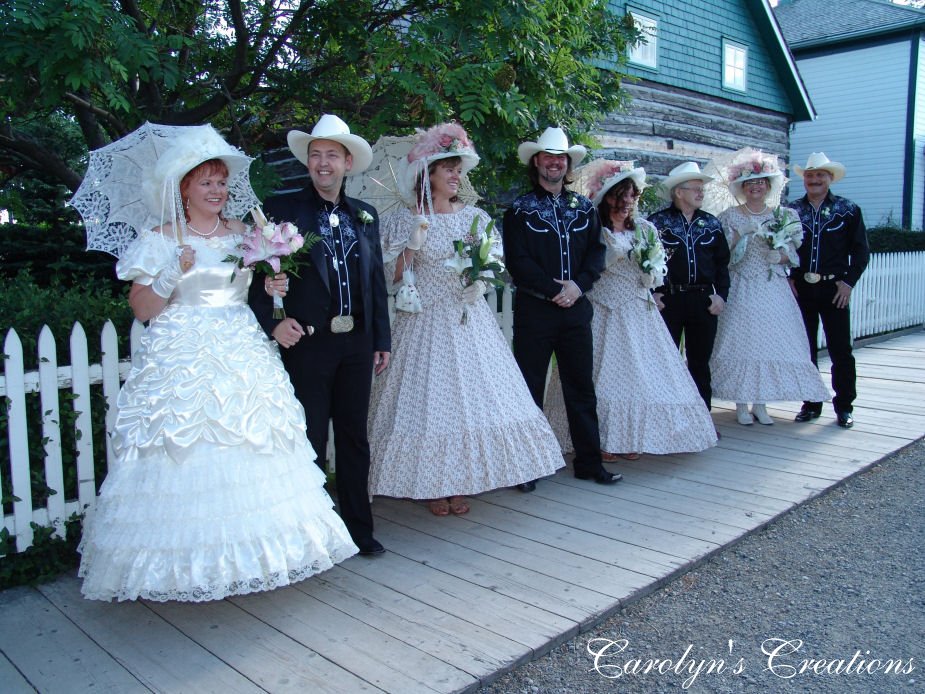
x=212, y=282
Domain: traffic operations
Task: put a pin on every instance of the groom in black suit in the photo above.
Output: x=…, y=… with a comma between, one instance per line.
x=336, y=330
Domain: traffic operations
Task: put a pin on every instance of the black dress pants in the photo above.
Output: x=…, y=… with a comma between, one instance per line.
x=542, y=329
x=332, y=377
x=815, y=302
x=688, y=313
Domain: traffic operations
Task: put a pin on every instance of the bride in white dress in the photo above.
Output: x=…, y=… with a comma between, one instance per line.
x=213, y=490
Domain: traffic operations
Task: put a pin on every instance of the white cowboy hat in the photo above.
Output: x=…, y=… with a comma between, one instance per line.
x=554, y=141
x=818, y=161
x=442, y=141
x=688, y=171
x=330, y=127
x=610, y=174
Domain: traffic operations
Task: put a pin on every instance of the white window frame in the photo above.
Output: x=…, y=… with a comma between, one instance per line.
x=731, y=70
x=645, y=54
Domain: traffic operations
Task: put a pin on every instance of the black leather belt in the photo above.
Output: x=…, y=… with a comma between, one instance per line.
x=684, y=288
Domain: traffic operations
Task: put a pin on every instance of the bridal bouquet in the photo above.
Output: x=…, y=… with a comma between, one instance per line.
x=782, y=231
x=477, y=256
x=648, y=252
x=271, y=248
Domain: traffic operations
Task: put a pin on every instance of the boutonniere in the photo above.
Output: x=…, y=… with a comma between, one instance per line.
x=365, y=217
x=573, y=201
x=701, y=223
x=825, y=212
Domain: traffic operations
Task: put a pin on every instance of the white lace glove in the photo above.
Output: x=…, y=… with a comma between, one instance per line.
x=418, y=233
x=773, y=256
x=648, y=281
x=164, y=284
x=474, y=291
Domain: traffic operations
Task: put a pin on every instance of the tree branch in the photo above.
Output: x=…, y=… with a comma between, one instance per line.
x=33, y=156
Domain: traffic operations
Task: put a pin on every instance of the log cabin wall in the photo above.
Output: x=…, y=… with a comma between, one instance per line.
x=666, y=125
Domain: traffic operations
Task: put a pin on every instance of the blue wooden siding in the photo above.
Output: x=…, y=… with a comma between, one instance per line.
x=860, y=97
x=918, y=181
x=690, y=50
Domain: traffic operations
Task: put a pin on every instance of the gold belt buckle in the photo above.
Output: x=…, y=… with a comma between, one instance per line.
x=811, y=277
x=341, y=324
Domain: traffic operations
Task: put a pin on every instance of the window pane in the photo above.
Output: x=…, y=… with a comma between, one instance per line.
x=735, y=63
x=646, y=52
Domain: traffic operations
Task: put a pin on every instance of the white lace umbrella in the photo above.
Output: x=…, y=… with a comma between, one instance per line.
x=111, y=201
x=379, y=184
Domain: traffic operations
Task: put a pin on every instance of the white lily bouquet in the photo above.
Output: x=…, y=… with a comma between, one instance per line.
x=477, y=256
x=649, y=254
x=783, y=232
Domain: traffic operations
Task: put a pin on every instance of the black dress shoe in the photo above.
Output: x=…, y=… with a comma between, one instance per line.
x=527, y=487
x=601, y=476
x=844, y=419
x=807, y=414
x=370, y=547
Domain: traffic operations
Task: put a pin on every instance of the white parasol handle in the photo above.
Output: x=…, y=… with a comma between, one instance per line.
x=259, y=217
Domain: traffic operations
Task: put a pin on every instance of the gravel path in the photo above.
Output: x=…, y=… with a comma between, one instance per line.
x=841, y=575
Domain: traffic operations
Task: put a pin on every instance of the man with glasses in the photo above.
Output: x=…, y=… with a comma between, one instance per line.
x=697, y=284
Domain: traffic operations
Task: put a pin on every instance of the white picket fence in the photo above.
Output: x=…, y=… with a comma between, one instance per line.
x=890, y=296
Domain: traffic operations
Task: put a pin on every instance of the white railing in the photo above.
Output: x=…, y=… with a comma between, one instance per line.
x=890, y=296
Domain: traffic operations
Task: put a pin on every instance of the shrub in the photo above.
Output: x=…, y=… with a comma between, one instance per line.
x=888, y=239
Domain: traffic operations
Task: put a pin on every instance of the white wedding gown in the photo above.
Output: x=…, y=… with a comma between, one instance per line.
x=213, y=490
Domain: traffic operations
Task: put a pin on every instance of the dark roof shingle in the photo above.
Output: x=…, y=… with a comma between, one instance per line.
x=807, y=23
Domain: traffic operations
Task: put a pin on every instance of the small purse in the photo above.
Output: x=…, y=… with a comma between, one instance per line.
x=407, y=298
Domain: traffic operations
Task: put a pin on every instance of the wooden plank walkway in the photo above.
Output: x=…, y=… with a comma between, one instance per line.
x=458, y=601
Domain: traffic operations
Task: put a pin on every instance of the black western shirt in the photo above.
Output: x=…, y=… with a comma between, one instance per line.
x=697, y=250
x=834, y=239
x=549, y=237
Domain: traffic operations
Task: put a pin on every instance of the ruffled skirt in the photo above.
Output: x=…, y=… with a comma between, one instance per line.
x=213, y=490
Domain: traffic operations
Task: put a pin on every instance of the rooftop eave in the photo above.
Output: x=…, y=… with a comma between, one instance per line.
x=783, y=59
x=853, y=36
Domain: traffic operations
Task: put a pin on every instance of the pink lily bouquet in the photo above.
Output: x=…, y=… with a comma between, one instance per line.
x=477, y=256
x=270, y=248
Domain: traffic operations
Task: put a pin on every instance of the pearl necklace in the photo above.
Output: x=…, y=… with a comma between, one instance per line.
x=756, y=214
x=202, y=233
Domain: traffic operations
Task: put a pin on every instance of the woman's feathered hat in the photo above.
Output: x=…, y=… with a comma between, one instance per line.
x=749, y=165
x=197, y=144
x=443, y=141
x=603, y=174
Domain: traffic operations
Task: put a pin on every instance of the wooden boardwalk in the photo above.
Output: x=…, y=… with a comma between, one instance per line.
x=457, y=601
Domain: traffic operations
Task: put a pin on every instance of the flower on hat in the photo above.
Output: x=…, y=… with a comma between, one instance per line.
x=446, y=138
x=752, y=165
x=607, y=170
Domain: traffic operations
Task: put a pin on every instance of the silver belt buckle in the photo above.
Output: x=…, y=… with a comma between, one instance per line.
x=811, y=277
x=341, y=324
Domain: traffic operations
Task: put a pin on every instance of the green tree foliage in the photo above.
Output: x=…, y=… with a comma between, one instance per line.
x=504, y=68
